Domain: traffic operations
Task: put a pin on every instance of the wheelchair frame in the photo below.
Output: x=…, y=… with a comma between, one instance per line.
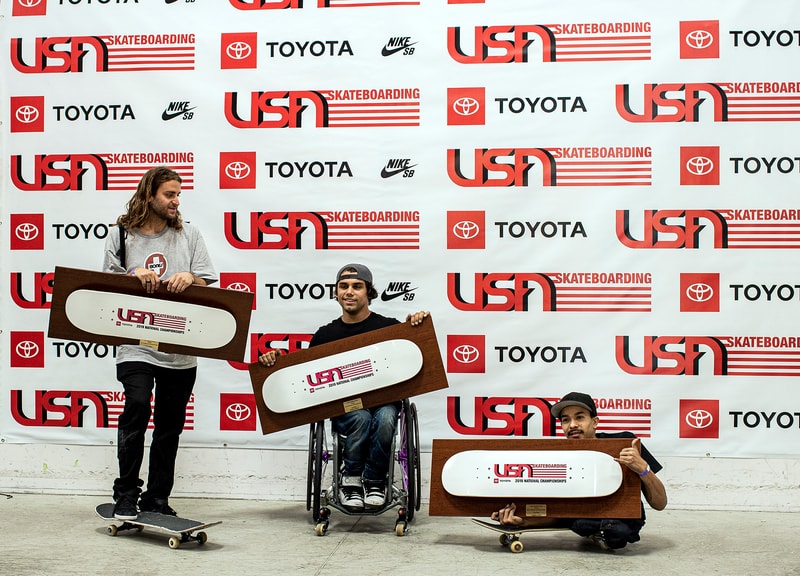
x=403, y=479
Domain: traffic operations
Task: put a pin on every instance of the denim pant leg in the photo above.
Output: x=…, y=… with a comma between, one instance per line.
x=354, y=428
x=173, y=391
x=382, y=431
x=137, y=380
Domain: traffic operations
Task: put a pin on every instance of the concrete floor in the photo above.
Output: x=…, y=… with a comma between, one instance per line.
x=53, y=534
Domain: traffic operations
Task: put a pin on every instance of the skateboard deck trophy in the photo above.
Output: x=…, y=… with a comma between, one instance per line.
x=113, y=309
x=379, y=367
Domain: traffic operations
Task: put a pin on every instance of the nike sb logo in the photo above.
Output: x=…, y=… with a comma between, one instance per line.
x=397, y=166
x=398, y=43
x=398, y=289
x=176, y=109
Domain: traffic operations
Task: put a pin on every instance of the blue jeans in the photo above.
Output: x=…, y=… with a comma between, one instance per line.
x=173, y=388
x=368, y=436
x=616, y=533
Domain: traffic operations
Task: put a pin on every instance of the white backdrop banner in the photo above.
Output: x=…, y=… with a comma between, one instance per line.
x=592, y=196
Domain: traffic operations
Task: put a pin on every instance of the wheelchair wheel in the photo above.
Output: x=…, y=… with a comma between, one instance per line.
x=410, y=463
x=416, y=462
x=316, y=447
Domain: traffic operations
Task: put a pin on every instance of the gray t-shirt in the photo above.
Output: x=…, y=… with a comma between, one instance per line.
x=167, y=253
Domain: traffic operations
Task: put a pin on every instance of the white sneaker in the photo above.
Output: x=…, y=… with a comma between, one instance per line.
x=374, y=494
x=351, y=492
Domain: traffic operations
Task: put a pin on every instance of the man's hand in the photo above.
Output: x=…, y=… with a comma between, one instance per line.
x=269, y=358
x=506, y=516
x=417, y=317
x=632, y=457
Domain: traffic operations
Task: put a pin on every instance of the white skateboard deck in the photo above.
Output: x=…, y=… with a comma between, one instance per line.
x=341, y=375
x=531, y=474
x=149, y=319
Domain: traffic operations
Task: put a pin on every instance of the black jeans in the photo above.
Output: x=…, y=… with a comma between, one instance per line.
x=173, y=388
x=616, y=533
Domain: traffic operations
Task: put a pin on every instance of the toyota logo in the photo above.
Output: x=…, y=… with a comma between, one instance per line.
x=466, y=106
x=27, y=349
x=238, y=50
x=238, y=412
x=699, y=419
x=466, y=354
x=26, y=231
x=699, y=292
x=238, y=286
x=466, y=230
x=699, y=165
x=28, y=3
x=237, y=170
x=27, y=114
x=699, y=39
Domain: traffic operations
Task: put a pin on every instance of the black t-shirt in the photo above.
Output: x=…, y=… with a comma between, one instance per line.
x=336, y=330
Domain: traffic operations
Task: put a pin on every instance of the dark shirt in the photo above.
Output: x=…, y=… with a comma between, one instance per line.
x=336, y=330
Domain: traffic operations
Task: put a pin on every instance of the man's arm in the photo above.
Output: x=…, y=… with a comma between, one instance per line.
x=653, y=489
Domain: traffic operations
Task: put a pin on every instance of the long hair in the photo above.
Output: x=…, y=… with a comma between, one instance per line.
x=138, y=207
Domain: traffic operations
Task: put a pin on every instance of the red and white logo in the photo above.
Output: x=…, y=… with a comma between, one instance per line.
x=29, y=8
x=157, y=263
x=237, y=170
x=699, y=419
x=466, y=229
x=27, y=232
x=700, y=292
x=699, y=39
x=699, y=165
x=27, y=113
x=27, y=349
x=239, y=281
x=466, y=106
x=237, y=412
x=466, y=353
x=239, y=50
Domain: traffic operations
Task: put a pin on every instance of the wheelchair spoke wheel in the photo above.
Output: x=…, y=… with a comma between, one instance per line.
x=315, y=468
x=415, y=460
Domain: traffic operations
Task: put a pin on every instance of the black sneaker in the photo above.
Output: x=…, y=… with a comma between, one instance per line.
x=351, y=492
x=125, y=508
x=158, y=505
x=374, y=494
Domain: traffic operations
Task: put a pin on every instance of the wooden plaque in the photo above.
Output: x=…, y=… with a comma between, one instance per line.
x=431, y=377
x=115, y=294
x=624, y=503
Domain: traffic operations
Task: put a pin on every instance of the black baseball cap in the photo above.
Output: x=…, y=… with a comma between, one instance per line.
x=574, y=399
x=361, y=272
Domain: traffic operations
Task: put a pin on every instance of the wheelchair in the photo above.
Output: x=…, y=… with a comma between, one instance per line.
x=403, y=482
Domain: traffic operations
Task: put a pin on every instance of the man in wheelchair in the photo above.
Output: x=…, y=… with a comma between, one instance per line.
x=366, y=434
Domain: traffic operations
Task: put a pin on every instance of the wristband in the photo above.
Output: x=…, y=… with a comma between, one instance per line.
x=133, y=272
x=645, y=473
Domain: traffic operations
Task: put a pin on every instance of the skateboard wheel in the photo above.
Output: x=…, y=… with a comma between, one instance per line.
x=400, y=529
x=174, y=542
x=202, y=538
x=112, y=530
x=504, y=539
x=516, y=547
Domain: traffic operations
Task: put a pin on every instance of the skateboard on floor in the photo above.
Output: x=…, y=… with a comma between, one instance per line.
x=180, y=529
x=509, y=535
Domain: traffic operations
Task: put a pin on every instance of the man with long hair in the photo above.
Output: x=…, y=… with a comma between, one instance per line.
x=157, y=247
